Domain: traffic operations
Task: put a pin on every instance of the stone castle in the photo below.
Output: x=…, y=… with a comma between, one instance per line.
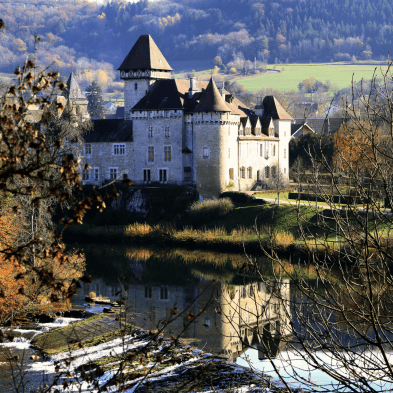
x=186, y=132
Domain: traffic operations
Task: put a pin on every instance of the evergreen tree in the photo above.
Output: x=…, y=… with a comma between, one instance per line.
x=94, y=96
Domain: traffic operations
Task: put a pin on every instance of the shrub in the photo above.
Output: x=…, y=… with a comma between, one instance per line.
x=282, y=239
x=240, y=198
x=209, y=210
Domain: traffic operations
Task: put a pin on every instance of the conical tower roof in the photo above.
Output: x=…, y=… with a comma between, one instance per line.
x=145, y=55
x=73, y=91
x=211, y=100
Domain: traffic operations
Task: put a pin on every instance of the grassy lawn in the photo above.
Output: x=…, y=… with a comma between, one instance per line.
x=339, y=74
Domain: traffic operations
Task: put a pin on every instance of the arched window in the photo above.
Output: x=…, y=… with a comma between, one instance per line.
x=243, y=172
x=274, y=151
x=274, y=171
x=249, y=172
x=267, y=172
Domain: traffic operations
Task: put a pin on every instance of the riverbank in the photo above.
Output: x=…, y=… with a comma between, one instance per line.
x=101, y=354
x=247, y=226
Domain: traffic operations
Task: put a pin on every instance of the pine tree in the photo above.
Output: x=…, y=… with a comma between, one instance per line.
x=94, y=96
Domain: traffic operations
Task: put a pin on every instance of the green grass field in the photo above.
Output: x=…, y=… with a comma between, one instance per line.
x=339, y=74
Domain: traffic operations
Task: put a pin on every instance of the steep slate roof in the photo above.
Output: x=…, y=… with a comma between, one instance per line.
x=173, y=94
x=145, y=55
x=109, y=130
x=120, y=112
x=273, y=109
x=322, y=125
x=163, y=95
x=73, y=91
x=211, y=100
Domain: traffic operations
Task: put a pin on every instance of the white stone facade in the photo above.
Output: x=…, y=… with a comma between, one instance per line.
x=189, y=133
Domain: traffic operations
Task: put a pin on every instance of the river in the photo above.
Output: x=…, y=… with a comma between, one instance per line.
x=211, y=300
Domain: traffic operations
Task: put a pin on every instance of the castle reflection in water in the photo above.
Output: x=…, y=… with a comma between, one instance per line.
x=229, y=318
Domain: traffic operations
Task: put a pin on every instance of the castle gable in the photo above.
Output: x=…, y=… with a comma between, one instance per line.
x=145, y=55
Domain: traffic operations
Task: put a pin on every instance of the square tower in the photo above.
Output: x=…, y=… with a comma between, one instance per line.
x=143, y=65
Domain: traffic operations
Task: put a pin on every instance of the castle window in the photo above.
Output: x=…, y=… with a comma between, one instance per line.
x=206, y=152
x=136, y=86
x=274, y=171
x=231, y=174
x=96, y=173
x=187, y=173
x=285, y=153
x=150, y=114
x=167, y=132
x=148, y=292
x=150, y=153
x=112, y=173
x=243, y=172
x=146, y=175
x=119, y=150
x=249, y=172
x=85, y=175
x=167, y=153
x=267, y=172
x=163, y=175
x=259, y=175
x=167, y=114
x=274, y=150
x=87, y=149
x=261, y=150
x=150, y=131
x=164, y=293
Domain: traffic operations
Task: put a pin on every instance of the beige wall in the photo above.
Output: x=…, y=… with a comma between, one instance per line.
x=102, y=157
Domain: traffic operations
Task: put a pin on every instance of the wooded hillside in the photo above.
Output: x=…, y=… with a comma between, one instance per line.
x=97, y=37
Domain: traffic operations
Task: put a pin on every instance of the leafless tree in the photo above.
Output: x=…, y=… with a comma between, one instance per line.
x=341, y=277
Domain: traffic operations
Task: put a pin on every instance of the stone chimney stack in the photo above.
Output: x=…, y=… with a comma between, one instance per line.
x=259, y=109
x=220, y=87
x=193, y=86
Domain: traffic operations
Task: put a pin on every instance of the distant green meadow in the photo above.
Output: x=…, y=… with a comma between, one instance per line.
x=339, y=74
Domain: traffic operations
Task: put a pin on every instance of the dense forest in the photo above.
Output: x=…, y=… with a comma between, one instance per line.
x=95, y=38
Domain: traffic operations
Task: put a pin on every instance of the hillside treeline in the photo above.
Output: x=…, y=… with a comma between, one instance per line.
x=97, y=37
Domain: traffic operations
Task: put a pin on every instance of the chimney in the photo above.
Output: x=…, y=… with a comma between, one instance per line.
x=193, y=86
x=259, y=109
x=220, y=87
